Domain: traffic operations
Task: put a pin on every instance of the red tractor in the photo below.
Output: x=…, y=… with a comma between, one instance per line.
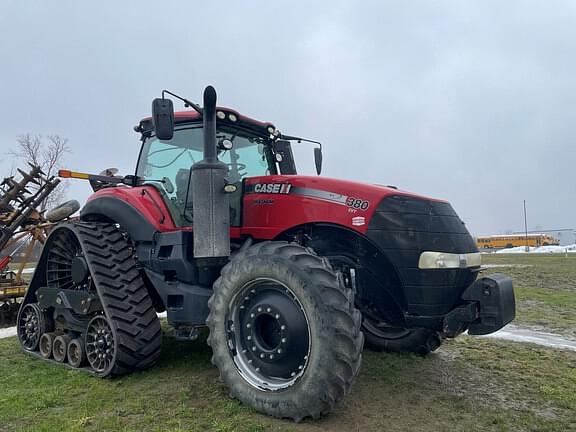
x=291, y=274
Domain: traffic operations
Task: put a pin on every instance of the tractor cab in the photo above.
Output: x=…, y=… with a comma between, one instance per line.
x=244, y=146
x=248, y=148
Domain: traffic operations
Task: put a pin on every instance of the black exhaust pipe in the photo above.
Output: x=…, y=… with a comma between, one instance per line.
x=209, y=118
x=211, y=208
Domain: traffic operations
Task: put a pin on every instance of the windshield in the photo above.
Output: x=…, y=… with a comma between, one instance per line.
x=166, y=164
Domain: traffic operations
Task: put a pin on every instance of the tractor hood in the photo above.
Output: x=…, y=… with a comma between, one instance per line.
x=334, y=189
x=400, y=224
x=281, y=200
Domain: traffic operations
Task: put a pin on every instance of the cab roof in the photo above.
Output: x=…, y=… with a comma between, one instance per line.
x=146, y=127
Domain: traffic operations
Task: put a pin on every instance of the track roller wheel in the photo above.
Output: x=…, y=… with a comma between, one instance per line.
x=46, y=343
x=60, y=348
x=32, y=324
x=76, y=353
x=100, y=345
x=284, y=331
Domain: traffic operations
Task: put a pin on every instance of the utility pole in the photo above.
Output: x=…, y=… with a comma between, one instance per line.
x=526, y=227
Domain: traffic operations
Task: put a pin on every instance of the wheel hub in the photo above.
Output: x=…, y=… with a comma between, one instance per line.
x=79, y=269
x=269, y=335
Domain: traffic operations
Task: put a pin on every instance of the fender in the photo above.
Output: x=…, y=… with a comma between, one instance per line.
x=114, y=209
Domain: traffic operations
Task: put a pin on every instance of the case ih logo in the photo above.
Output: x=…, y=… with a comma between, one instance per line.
x=272, y=188
x=358, y=221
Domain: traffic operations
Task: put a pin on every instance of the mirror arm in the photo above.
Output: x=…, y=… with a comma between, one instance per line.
x=196, y=107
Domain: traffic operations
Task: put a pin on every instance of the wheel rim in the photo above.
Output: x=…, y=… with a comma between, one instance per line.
x=59, y=349
x=383, y=330
x=74, y=352
x=30, y=327
x=100, y=346
x=46, y=345
x=66, y=267
x=268, y=334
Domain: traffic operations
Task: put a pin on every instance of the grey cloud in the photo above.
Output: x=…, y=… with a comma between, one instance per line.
x=468, y=101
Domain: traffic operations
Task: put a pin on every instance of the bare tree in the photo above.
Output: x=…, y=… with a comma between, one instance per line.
x=48, y=153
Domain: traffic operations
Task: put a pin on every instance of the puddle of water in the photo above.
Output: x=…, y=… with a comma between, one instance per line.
x=517, y=334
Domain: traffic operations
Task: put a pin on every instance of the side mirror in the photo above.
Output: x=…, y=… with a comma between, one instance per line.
x=286, y=162
x=163, y=118
x=318, y=159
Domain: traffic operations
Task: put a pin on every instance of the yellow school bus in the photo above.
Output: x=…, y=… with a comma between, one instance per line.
x=513, y=240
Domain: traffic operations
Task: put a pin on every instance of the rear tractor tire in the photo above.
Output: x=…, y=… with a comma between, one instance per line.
x=380, y=337
x=284, y=331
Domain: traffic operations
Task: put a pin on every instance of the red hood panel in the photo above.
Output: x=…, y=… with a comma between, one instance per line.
x=275, y=203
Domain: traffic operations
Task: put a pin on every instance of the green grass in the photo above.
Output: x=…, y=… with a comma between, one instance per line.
x=471, y=384
x=545, y=288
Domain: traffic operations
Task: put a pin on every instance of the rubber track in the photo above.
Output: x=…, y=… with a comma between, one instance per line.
x=123, y=295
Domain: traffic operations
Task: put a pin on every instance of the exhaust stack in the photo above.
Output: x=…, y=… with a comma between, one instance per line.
x=211, y=208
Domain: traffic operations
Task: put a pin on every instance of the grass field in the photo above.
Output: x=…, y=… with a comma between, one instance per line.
x=545, y=287
x=470, y=384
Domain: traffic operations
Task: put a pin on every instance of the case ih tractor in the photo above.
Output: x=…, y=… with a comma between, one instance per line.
x=291, y=274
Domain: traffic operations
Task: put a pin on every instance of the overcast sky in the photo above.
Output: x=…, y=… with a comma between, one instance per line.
x=469, y=101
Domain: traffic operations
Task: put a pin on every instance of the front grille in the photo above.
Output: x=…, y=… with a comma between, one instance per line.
x=403, y=227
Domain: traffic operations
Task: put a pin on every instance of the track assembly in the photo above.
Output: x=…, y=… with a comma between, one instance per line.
x=103, y=320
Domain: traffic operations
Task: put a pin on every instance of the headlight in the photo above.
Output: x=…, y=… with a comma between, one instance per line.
x=440, y=260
